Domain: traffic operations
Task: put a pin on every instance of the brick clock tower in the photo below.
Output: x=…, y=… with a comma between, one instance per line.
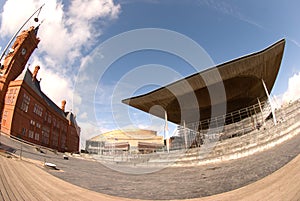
x=15, y=61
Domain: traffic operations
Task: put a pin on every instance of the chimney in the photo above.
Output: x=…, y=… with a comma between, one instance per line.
x=35, y=72
x=63, y=104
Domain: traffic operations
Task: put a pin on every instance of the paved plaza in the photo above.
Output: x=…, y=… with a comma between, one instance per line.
x=20, y=178
x=177, y=182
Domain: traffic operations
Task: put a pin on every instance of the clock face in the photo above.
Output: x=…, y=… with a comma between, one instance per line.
x=23, y=51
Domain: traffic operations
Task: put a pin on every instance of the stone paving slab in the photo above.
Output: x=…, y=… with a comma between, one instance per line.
x=283, y=184
x=177, y=182
x=21, y=180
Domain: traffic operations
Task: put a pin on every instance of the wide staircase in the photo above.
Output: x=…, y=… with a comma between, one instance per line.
x=245, y=139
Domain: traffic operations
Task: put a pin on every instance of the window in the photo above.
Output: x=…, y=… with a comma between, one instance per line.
x=45, y=135
x=38, y=125
x=55, y=138
x=54, y=122
x=31, y=129
x=45, y=117
x=10, y=96
x=38, y=110
x=37, y=136
x=63, y=136
x=49, y=119
x=23, y=131
x=4, y=118
x=30, y=134
x=25, y=103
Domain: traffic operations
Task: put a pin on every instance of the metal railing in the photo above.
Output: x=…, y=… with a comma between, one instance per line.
x=248, y=125
x=219, y=128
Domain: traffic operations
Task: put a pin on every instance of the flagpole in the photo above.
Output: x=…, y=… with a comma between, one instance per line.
x=17, y=32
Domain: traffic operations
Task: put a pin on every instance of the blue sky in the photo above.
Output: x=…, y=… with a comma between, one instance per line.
x=225, y=29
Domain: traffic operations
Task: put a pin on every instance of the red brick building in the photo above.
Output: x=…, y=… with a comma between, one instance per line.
x=26, y=112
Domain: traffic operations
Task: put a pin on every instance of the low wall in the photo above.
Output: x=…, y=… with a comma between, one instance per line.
x=254, y=141
x=268, y=136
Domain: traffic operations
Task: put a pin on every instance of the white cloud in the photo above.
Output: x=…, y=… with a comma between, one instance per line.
x=70, y=30
x=295, y=42
x=83, y=115
x=56, y=86
x=277, y=100
x=15, y=12
x=89, y=130
x=293, y=91
x=229, y=9
x=66, y=31
x=90, y=9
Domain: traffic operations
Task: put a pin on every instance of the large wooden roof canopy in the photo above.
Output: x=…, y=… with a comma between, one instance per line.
x=238, y=83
